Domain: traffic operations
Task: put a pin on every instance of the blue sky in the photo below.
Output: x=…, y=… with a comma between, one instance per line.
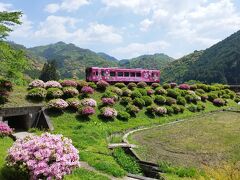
x=126, y=28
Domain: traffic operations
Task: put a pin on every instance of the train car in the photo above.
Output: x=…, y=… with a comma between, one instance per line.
x=113, y=75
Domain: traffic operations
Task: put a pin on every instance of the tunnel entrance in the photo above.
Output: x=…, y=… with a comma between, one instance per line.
x=19, y=123
x=24, y=118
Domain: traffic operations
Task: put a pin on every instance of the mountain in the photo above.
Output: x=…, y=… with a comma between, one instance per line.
x=71, y=60
x=217, y=64
x=176, y=70
x=155, y=61
x=107, y=57
x=35, y=62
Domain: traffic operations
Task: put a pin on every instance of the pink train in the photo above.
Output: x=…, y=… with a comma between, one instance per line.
x=113, y=75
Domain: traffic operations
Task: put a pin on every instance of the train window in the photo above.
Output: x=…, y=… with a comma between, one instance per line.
x=138, y=74
x=132, y=74
x=112, y=74
x=102, y=73
x=96, y=73
x=152, y=74
x=126, y=74
x=120, y=74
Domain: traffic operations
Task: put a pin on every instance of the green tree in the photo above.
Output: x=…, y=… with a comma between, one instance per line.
x=49, y=71
x=8, y=19
x=12, y=62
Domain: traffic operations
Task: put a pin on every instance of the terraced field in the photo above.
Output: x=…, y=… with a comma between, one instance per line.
x=204, y=140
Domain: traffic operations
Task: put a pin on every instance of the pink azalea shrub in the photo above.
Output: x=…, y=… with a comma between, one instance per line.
x=69, y=83
x=173, y=85
x=70, y=91
x=102, y=85
x=5, y=130
x=108, y=112
x=86, y=111
x=58, y=104
x=36, y=84
x=44, y=157
x=88, y=102
x=160, y=110
x=87, y=90
x=108, y=101
x=51, y=84
x=184, y=86
x=219, y=102
x=150, y=92
x=73, y=103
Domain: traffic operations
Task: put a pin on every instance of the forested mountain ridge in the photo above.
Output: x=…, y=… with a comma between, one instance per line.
x=71, y=60
x=155, y=61
x=217, y=64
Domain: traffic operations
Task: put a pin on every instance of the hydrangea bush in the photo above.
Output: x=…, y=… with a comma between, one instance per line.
x=53, y=84
x=44, y=157
x=70, y=91
x=108, y=101
x=73, y=103
x=54, y=93
x=86, y=111
x=87, y=90
x=69, y=83
x=102, y=85
x=219, y=102
x=108, y=112
x=36, y=83
x=88, y=102
x=184, y=86
x=5, y=130
x=37, y=93
x=58, y=104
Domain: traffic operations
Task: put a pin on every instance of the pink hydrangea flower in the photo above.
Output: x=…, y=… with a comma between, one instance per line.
x=5, y=130
x=45, y=157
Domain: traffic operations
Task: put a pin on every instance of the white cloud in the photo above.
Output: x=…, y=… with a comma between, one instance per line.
x=5, y=6
x=137, y=49
x=59, y=28
x=66, y=5
x=198, y=21
x=145, y=24
x=137, y=6
x=23, y=30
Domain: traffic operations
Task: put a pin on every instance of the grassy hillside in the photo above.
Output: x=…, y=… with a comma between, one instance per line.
x=155, y=61
x=217, y=64
x=92, y=135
